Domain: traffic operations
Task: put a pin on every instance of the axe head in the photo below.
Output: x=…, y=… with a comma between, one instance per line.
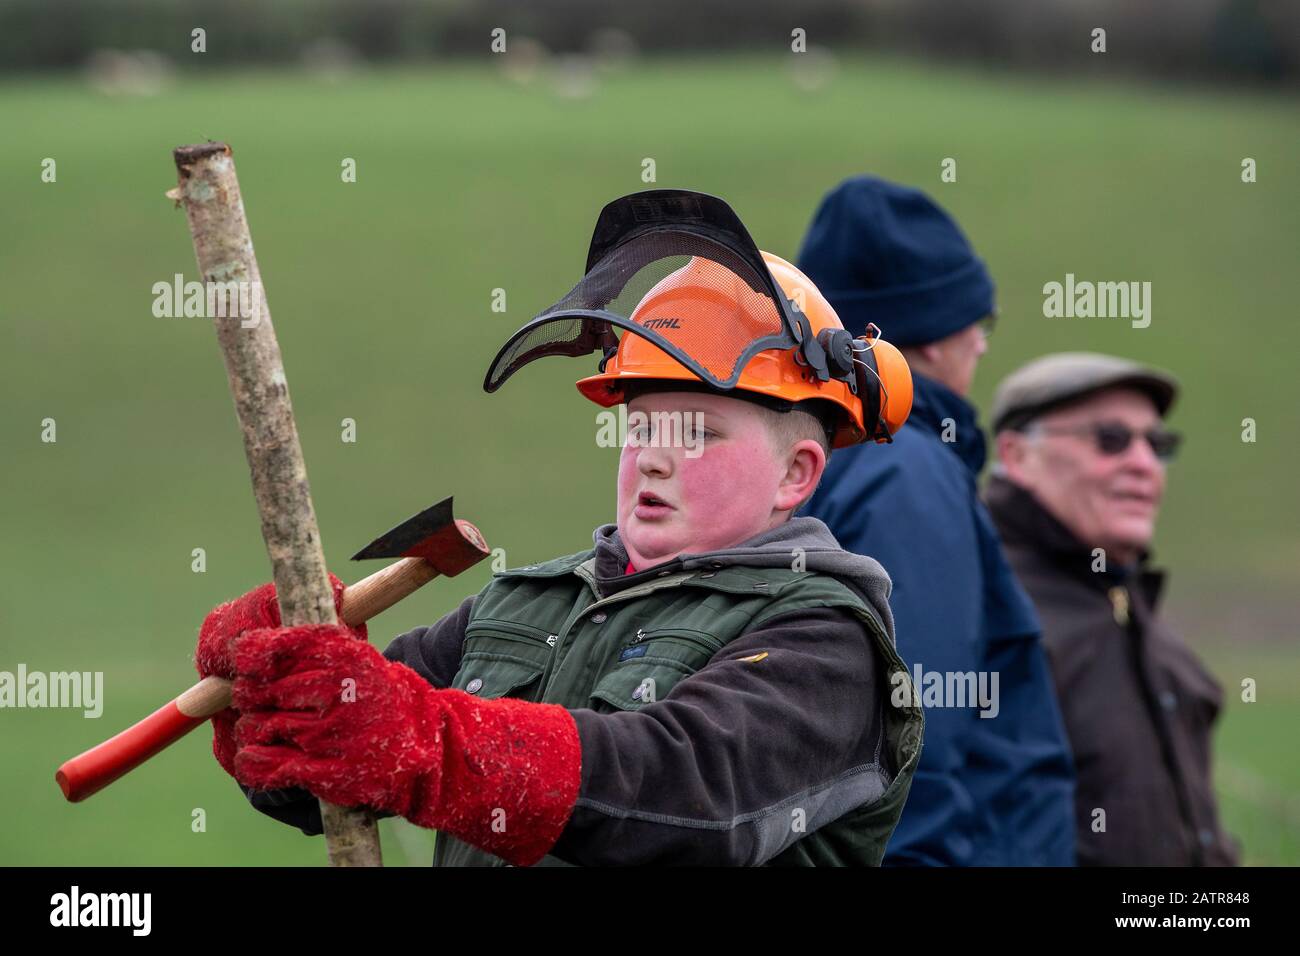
x=449, y=544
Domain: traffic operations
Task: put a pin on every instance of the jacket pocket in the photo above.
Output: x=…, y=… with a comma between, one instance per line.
x=502, y=658
x=650, y=665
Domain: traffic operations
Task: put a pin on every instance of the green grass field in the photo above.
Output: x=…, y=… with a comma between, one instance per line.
x=381, y=293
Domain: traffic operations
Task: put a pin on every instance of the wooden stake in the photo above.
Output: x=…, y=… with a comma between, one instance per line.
x=209, y=190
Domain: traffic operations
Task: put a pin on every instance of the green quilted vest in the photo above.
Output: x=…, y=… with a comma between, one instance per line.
x=541, y=633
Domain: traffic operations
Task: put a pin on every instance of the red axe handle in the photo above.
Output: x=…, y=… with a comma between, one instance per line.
x=92, y=771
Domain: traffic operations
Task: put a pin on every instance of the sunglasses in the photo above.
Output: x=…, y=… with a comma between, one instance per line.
x=1113, y=438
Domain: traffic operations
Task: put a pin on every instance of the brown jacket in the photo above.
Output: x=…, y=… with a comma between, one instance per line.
x=1139, y=707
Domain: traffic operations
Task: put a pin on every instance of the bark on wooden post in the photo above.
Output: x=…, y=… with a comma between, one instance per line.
x=209, y=190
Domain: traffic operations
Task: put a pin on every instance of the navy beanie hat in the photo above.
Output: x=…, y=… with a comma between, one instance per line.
x=888, y=254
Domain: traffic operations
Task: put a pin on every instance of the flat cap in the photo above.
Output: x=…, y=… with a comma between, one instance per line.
x=1064, y=377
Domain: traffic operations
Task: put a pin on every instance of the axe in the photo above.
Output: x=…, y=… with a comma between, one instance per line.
x=431, y=543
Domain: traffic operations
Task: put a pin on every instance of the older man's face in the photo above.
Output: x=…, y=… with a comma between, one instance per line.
x=1108, y=501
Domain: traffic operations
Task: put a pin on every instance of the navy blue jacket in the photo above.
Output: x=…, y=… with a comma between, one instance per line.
x=989, y=791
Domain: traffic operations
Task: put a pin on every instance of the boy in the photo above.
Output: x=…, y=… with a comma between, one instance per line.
x=715, y=682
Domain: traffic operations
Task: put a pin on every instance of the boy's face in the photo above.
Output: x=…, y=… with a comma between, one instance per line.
x=710, y=460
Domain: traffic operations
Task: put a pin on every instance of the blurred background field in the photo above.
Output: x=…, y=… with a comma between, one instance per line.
x=471, y=179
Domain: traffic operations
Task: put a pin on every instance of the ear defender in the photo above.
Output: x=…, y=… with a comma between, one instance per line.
x=853, y=360
x=884, y=384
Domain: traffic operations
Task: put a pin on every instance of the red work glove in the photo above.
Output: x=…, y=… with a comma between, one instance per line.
x=214, y=655
x=502, y=775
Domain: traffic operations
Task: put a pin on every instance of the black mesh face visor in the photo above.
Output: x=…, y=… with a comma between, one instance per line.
x=715, y=303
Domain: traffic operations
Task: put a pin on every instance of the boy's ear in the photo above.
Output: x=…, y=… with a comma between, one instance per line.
x=802, y=475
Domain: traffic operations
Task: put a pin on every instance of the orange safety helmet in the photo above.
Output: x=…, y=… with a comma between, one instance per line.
x=689, y=307
x=700, y=307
